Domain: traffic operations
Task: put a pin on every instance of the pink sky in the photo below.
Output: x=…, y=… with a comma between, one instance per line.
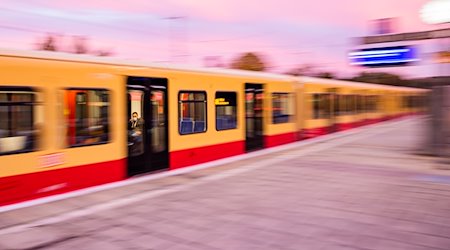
x=286, y=32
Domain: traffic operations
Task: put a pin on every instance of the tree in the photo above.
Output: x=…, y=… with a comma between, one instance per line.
x=380, y=78
x=302, y=70
x=392, y=79
x=79, y=45
x=328, y=75
x=310, y=70
x=103, y=53
x=48, y=43
x=249, y=61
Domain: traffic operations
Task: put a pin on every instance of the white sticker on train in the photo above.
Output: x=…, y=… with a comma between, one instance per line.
x=51, y=160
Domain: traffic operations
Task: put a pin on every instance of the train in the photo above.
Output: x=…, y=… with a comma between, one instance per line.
x=69, y=122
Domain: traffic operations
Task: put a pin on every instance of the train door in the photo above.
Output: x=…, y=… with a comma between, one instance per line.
x=148, y=125
x=254, y=116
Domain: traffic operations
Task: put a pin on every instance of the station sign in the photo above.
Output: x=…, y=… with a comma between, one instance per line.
x=221, y=101
x=384, y=57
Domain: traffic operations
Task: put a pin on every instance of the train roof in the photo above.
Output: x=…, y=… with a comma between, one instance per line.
x=82, y=58
x=343, y=83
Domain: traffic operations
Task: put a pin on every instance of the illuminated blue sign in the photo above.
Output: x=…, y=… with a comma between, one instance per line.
x=391, y=56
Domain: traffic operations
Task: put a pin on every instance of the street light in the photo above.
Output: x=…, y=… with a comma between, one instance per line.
x=436, y=12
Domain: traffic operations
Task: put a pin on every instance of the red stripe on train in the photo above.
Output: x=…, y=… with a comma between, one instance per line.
x=192, y=156
x=314, y=132
x=36, y=185
x=275, y=140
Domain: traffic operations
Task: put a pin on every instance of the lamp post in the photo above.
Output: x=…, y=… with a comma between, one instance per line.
x=178, y=47
x=437, y=12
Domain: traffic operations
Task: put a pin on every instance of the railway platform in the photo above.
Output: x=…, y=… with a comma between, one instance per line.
x=365, y=188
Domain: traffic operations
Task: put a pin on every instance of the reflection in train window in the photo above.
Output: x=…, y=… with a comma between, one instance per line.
x=192, y=112
x=21, y=116
x=158, y=99
x=136, y=129
x=282, y=107
x=321, y=104
x=336, y=99
x=360, y=104
x=86, y=114
x=371, y=103
x=225, y=110
x=347, y=104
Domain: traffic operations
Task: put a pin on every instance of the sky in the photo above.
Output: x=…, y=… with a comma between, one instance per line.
x=285, y=33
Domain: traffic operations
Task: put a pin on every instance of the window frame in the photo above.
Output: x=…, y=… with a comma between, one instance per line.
x=290, y=99
x=315, y=100
x=33, y=103
x=68, y=145
x=337, y=101
x=236, y=107
x=347, y=106
x=322, y=97
x=372, y=104
x=193, y=101
x=361, y=104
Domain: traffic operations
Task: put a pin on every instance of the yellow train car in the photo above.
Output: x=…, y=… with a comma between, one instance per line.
x=414, y=101
x=335, y=105
x=61, y=123
x=221, y=113
x=69, y=121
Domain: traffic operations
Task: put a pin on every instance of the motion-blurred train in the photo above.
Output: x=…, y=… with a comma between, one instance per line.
x=66, y=121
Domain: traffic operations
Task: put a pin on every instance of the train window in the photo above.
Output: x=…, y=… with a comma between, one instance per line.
x=282, y=107
x=337, y=104
x=135, y=130
x=411, y=101
x=158, y=99
x=374, y=103
x=342, y=104
x=315, y=105
x=21, y=118
x=192, y=112
x=226, y=117
x=321, y=106
x=351, y=107
x=87, y=114
x=368, y=104
x=347, y=104
x=360, y=103
x=371, y=103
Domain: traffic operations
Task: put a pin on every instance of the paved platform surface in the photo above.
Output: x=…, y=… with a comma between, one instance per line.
x=363, y=189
